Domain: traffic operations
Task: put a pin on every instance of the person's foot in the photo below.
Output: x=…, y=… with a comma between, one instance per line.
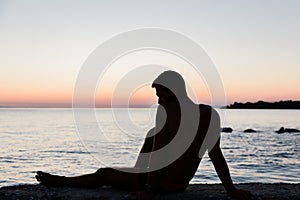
x=50, y=180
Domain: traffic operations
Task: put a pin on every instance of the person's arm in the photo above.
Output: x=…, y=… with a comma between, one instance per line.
x=222, y=170
x=160, y=140
x=221, y=167
x=143, y=161
x=168, y=120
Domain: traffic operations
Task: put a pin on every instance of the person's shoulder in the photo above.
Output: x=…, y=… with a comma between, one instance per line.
x=204, y=107
x=208, y=109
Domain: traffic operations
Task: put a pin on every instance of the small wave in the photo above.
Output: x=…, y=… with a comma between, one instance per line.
x=7, y=159
x=68, y=152
x=283, y=155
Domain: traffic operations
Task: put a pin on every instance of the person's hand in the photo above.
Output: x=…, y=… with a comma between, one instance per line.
x=240, y=194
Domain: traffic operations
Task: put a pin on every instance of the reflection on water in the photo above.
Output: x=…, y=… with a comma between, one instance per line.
x=47, y=139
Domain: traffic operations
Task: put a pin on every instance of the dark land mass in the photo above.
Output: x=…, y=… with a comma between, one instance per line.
x=282, y=191
x=266, y=105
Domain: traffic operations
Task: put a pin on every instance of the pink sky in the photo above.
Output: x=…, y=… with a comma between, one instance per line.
x=255, y=46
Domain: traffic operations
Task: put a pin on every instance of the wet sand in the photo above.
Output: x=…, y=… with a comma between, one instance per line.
x=196, y=191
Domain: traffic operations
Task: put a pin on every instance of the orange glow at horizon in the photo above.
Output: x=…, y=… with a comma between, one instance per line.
x=144, y=96
x=25, y=96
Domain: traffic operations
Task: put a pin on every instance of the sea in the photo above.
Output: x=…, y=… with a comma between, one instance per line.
x=57, y=141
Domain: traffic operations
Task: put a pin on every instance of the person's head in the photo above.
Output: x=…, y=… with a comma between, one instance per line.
x=169, y=86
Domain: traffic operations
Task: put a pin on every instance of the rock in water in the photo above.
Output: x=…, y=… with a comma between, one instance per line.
x=226, y=130
x=249, y=130
x=281, y=130
x=291, y=130
x=287, y=130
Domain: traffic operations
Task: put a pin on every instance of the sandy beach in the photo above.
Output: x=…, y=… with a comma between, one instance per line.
x=196, y=191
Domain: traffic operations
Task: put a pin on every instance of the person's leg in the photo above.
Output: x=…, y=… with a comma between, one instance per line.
x=103, y=176
x=127, y=178
x=87, y=180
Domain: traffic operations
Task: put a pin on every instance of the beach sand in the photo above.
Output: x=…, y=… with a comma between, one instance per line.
x=195, y=191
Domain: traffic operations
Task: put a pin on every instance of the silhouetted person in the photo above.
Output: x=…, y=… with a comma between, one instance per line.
x=171, y=153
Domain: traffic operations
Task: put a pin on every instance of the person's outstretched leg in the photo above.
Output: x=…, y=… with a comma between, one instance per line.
x=87, y=180
x=127, y=178
x=103, y=176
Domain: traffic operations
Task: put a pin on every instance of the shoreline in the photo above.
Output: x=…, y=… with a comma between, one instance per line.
x=283, y=191
x=281, y=105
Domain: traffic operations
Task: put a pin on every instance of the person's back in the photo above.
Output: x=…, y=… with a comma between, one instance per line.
x=177, y=175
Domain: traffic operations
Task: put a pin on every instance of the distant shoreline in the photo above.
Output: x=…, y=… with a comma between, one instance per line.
x=289, y=104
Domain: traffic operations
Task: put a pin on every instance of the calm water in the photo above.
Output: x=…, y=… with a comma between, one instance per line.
x=47, y=139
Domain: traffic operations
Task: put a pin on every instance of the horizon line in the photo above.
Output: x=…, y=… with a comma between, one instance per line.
x=69, y=105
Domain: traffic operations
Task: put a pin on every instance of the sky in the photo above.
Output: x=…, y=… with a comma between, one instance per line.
x=254, y=45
